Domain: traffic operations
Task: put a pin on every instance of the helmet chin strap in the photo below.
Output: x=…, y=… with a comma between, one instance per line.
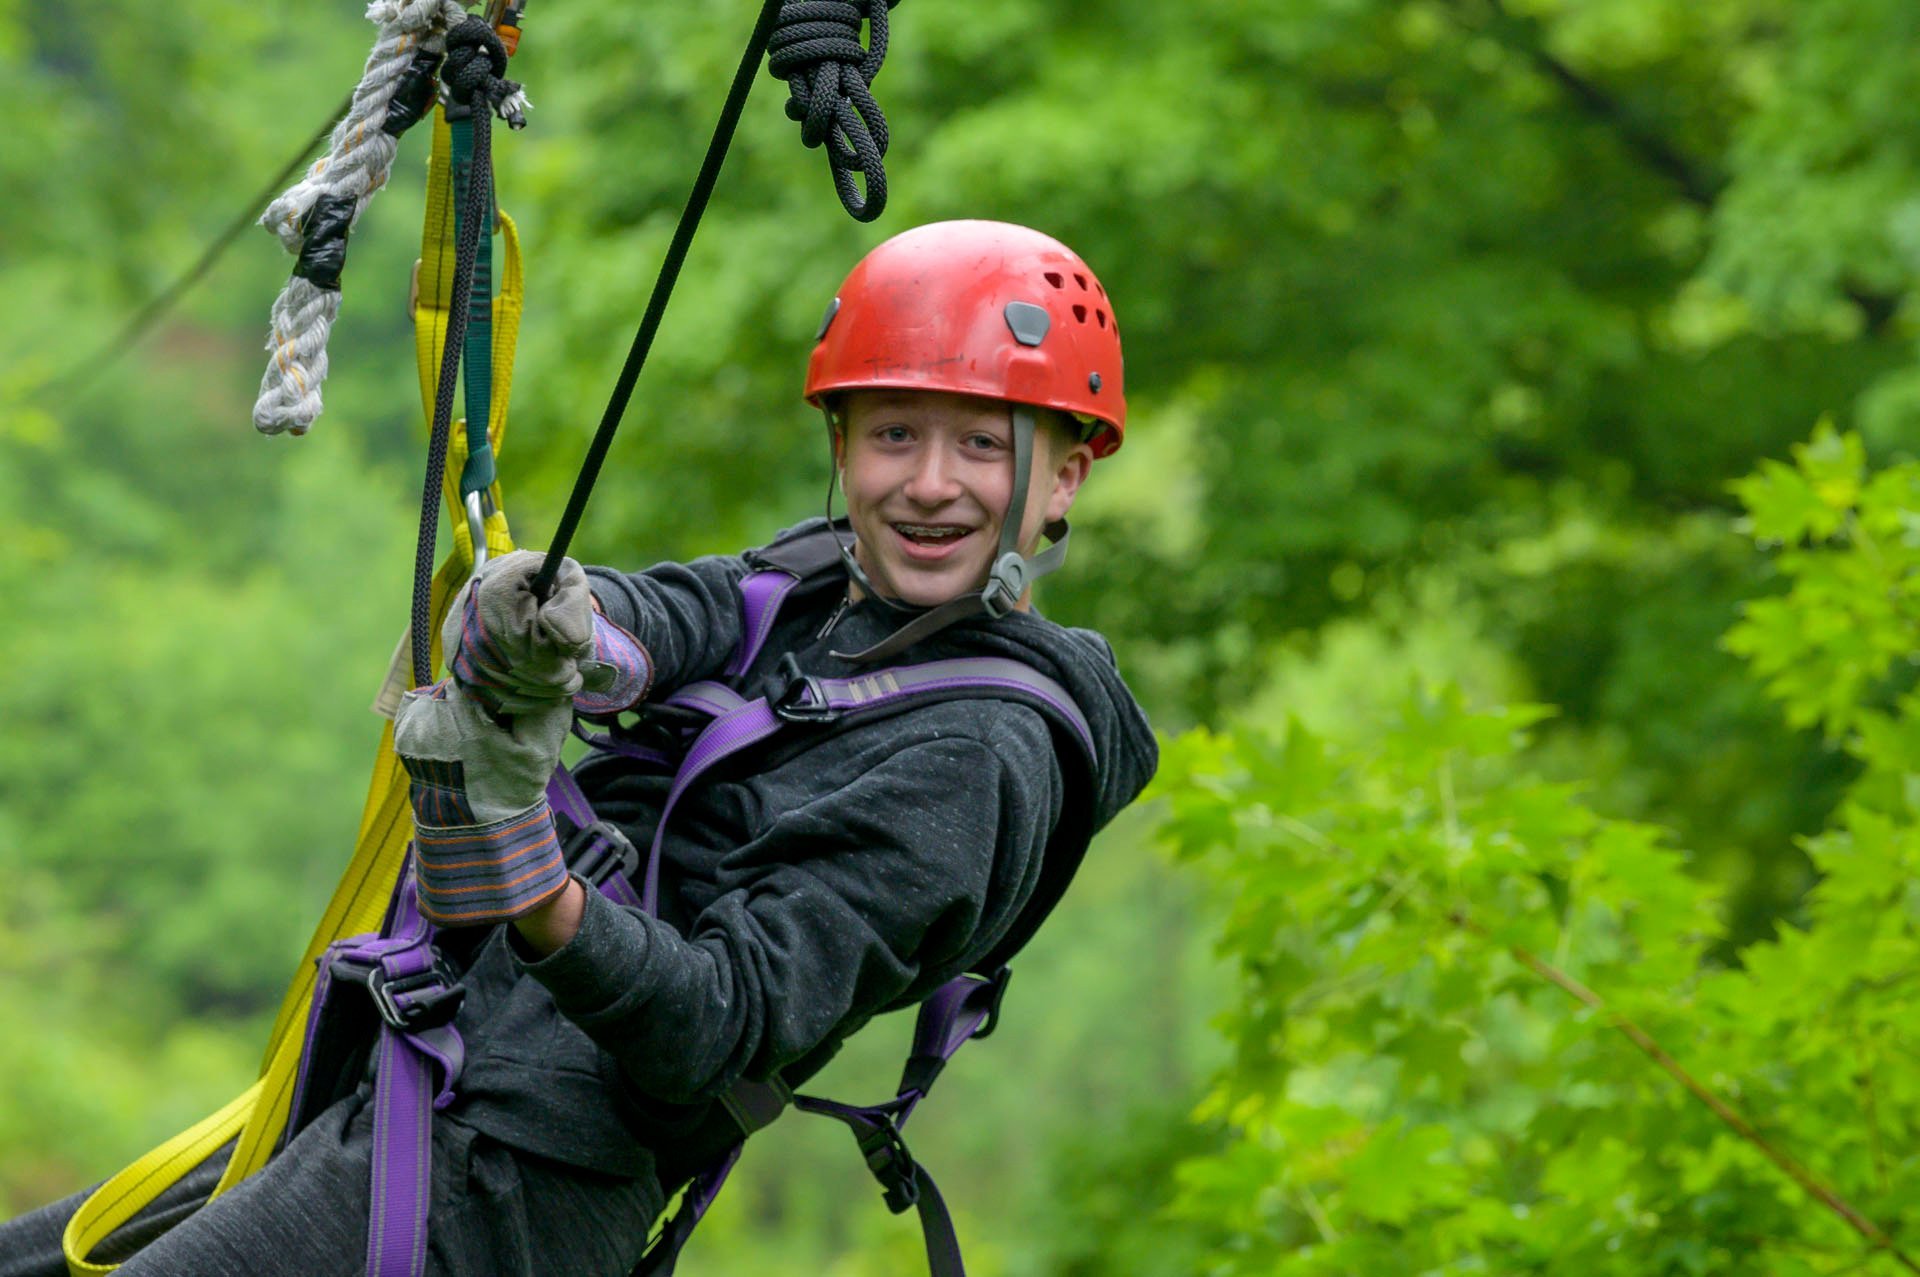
x=1007, y=580
x=854, y=570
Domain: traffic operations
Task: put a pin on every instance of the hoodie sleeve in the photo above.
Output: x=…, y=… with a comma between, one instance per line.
x=908, y=874
x=686, y=615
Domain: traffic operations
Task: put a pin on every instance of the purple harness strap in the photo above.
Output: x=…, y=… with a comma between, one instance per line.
x=600, y=852
x=761, y=594
x=416, y=998
x=964, y=1008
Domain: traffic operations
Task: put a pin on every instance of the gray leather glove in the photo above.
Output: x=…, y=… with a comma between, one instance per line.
x=485, y=848
x=513, y=651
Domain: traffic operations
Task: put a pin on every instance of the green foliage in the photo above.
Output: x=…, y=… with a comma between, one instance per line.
x=1450, y=324
x=1836, y=649
x=1444, y=962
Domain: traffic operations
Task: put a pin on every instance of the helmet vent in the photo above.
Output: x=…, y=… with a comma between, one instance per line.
x=1100, y=317
x=1080, y=313
x=1081, y=280
x=1055, y=278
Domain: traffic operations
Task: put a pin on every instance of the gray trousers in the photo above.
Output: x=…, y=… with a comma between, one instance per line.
x=495, y=1210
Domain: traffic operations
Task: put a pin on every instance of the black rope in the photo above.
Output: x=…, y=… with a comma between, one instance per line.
x=657, y=302
x=476, y=59
x=816, y=49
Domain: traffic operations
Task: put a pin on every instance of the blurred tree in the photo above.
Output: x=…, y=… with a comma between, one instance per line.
x=1449, y=324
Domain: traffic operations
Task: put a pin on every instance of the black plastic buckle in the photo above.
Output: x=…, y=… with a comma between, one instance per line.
x=887, y=1157
x=803, y=700
x=998, y=981
x=599, y=850
x=433, y=996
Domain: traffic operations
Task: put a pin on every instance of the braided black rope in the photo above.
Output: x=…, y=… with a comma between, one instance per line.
x=476, y=61
x=663, y=283
x=816, y=49
x=827, y=71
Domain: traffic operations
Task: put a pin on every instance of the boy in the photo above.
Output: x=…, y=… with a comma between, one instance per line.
x=970, y=374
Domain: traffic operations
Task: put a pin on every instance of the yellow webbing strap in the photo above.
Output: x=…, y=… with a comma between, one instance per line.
x=258, y=1115
x=434, y=282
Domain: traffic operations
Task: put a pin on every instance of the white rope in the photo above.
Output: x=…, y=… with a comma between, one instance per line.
x=358, y=159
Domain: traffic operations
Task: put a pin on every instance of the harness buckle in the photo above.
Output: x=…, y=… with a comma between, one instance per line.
x=998, y=982
x=803, y=700
x=409, y=1003
x=599, y=850
x=887, y=1157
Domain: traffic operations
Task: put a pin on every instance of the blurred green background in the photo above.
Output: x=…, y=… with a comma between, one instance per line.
x=1448, y=325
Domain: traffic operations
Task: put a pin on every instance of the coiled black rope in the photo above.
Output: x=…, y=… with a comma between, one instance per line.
x=816, y=49
x=474, y=75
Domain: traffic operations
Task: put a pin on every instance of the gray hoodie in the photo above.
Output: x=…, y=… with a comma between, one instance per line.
x=805, y=887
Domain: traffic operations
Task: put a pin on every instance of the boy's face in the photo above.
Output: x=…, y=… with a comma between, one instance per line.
x=927, y=477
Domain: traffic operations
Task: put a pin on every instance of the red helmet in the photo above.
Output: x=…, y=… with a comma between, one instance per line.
x=977, y=308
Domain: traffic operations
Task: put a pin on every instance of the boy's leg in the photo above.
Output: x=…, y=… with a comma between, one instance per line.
x=495, y=1211
x=518, y=1215
x=30, y=1244
x=304, y=1214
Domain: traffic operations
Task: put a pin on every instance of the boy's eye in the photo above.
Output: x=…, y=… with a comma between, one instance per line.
x=983, y=442
x=895, y=434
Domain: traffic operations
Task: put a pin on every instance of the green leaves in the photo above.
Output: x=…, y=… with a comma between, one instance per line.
x=1478, y=1028
x=1834, y=649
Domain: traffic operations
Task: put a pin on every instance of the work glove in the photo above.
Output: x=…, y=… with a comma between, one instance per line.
x=485, y=847
x=515, y=653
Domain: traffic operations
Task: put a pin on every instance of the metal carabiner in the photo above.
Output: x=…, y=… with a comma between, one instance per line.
x=476, y=529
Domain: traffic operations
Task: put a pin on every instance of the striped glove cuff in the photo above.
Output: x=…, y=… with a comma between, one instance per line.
x=476, y=875
x=619, y=674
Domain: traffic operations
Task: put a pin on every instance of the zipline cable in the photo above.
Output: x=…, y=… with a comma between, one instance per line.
x=662, y=290
x=155, y=308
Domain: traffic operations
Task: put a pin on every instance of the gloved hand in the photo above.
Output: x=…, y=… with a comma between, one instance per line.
x=515, y=653
x=485, y=848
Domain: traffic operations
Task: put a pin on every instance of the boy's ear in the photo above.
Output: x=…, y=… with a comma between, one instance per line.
x=1070, y=469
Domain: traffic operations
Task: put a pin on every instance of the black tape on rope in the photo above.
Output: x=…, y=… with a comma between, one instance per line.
x=414, y=97
x=816, y=49
x=323, y=243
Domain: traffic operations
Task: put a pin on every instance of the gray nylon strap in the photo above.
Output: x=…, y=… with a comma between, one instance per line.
x=856, y=573
x=1023, y=428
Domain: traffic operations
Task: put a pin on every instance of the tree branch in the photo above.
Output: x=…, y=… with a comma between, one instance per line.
x=1810, y=1183
x=1695, y=179
x=1799, y=1174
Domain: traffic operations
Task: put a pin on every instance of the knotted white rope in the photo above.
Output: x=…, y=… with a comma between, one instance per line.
x=358, y=160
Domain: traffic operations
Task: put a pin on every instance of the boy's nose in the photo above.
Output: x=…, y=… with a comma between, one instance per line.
x=932, y=482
